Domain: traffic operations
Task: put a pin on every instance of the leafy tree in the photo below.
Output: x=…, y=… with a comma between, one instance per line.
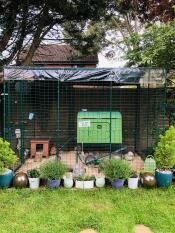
x=156, y=46
x=155, y=10
x=26, y=23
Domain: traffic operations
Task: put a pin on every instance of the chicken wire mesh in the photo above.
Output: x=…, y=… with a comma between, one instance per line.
x=87, y=121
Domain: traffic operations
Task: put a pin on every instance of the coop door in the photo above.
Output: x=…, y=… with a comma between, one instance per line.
x=99, y=132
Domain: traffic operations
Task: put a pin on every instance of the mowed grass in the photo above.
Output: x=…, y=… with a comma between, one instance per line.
x=104, y=210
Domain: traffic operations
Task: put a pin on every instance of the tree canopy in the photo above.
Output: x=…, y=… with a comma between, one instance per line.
x=26, y=23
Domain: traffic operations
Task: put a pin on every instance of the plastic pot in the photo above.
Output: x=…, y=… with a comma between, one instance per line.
x=164, y=179
x=53, y=184
x=84, y=184
x=117, y=184
x=100, y=182
x=133, y=182
x=68, y=182
x=34, y=183
x=6, y=179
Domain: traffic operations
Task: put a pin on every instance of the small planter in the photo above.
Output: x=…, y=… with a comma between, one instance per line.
x=133, y=182
x=6, y=179
x=117, y=184
x=34, y=183
x=53, y=184
x=164, y=178
x=100, y=182
x=68, y=182
x=84, y=184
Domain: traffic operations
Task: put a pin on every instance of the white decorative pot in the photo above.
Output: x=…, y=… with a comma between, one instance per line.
x=68, y=182
x=133, y=183
x=100, y=182
x=34, y=183
x=84, y=184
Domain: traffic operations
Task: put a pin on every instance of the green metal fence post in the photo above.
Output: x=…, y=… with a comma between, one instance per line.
x=21, y=123
x=58, y=119
x=4, y=109
x=110, y=124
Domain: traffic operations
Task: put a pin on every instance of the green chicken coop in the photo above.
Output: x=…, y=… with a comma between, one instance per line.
x=99, y=127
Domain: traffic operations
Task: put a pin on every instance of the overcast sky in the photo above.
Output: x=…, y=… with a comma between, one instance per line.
x=104, y=62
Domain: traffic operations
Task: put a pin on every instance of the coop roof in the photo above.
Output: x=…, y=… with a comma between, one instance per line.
x=117, y=75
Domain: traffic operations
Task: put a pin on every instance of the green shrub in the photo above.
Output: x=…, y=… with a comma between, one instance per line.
x=165, y=150
x=7, y=155
x=52, y=170
x=116, y=169
x=34, y=173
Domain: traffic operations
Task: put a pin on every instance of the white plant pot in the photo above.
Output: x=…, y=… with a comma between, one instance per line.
x=68, y=182
x=100, y=182
x=133, y=183
x=84, y=184
x=34, y=183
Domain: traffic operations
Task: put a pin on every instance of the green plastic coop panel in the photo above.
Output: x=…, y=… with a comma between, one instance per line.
x=94, y=127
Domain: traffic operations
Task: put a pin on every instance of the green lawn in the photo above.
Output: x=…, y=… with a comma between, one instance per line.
x=106, y=210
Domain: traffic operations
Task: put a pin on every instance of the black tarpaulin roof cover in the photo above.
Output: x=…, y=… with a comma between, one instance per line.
x=117, y=75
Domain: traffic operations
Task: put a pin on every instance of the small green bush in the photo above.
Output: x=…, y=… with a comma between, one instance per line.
x=53, y=170
x=34, y=173
x=165, y=150
x=116, y=169
x=7, y=155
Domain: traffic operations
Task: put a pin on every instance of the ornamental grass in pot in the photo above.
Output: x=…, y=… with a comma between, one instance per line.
x=117, y=171
x=34, y=178
x=7, y=159
x=84, y=182
x=53, y=172
x=165, y=158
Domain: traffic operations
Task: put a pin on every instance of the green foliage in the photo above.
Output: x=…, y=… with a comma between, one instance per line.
x=116, y=169
x=165, y=150
x=85, y=178
x=34, y=173
x=52, y=170
x=155, y=46
x=7, y=155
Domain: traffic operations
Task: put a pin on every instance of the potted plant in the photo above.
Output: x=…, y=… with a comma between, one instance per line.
x=116, y=171
x=53, y=172
x=68, y=180
x=34, y=178
x=133, y=180
x=100, y=181
x=7, y=159
x=84, y=182
x=165, y=158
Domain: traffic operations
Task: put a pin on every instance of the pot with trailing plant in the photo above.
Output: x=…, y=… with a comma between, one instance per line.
x=34, y=178
x=165, y=158
x=53, y=172
x=117, y=171
x=84, y=182
x=7, y=159
x=133, y=180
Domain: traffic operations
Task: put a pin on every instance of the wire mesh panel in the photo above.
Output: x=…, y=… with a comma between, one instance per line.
x=100, y=117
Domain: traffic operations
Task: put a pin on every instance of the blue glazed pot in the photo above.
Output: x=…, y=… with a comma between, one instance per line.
x=163, y=180
x=6, y=179
x=53, y=184
x=117, y=184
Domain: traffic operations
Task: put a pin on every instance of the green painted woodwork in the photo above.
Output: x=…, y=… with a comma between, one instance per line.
x=94, y=127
